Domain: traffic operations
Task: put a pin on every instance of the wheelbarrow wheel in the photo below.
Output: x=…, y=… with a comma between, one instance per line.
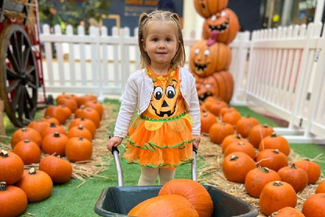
x=18, y=75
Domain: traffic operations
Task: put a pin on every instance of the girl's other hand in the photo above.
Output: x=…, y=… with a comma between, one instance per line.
x=114, y=142
x=197, y=142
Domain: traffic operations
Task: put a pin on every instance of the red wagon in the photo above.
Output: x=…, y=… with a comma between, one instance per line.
x=21, y=72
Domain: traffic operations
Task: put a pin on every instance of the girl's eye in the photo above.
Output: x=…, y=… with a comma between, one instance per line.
x=170, y=92
x=168, y=40
x=158, y=92
x=155, y=39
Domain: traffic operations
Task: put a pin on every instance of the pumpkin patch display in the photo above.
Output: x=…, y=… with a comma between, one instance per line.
x=225, y=23
x=13, y=200
x=277, y=195
x=36, y=184
x=12, y=167
x=314, y=206
x=194, y=192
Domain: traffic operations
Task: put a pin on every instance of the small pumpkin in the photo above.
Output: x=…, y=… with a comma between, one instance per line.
x=320, y=188
x=80, y=131
x=231, y=117
x=68, y=102
x=36, y=184
x=54, y=143
x=296, y=177
x=287, y=211
x=215, y=108
x=26, y=133
x=28, y=151
x=257, y=178
x=219, y=131
x=58, y=169
x=230, y=139
x=236, y=166
x=88, y=113
x=313, y=169
x=272, y=158
x=78, y=149
x=13, y=200
x=12, y=167
x=275, y=142
x=277, y=195
x=243, y=146
x=52, y=129
x=258, y=132
x=245, y=125
x=165, y=205
x=191, y=190
x=95, y=104
x=56, y=112
x=207, y=120
x=87, y=123
x=314, y=205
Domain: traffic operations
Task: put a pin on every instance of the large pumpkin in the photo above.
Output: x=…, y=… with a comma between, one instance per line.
x=207, y=8
x=194, y=192
x=58, y=169
x=219, y=84
x=166, y=205
x=226, y=24
x=12, y=167
x=206, y=59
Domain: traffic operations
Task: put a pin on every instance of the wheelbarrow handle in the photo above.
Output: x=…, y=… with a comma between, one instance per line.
x=119, y=171
x=193, y=165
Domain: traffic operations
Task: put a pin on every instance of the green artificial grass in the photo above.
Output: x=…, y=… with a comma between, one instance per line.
x=71, y=199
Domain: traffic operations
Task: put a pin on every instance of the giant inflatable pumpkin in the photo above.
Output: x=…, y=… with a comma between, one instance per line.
x=207, y=8
x=225, y=22
x=206, y=59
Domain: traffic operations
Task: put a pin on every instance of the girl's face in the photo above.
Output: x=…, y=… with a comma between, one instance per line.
x=161, y=43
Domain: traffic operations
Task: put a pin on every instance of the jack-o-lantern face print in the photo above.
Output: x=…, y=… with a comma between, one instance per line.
x=164, y=98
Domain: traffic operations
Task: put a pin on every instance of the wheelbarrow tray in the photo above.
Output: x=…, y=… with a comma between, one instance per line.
x=118, y=201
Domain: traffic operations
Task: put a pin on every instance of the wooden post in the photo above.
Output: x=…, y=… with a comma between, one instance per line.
x=2, y=126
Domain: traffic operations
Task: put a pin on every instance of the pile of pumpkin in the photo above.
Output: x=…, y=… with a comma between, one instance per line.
x=178, y=197
x=256, y=156
x=58, y=146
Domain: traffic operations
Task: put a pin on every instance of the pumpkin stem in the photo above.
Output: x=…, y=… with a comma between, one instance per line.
x=26, y=141
x=241, y=143
x=293, y=166
x=233, y=157
x=32, y=171
x=276, y=151
x=80, y=127
x=274, y=214
x=238, y=136
x=4, y=153
x=3, y=186
x=52, y=124
x=56, y=134
x=264, y=169
x=277, y=183
x=23, y=129
x=273, y=134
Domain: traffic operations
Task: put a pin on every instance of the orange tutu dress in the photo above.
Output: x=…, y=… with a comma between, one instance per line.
x=161, y=137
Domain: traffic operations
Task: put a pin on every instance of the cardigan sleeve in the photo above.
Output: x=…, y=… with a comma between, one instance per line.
x=194, y=108
x=127, y=109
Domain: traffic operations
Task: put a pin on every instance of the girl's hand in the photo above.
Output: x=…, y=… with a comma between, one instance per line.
x=114, y=142
x=197, y=142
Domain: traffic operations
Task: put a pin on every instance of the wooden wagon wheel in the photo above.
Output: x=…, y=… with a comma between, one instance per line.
x=18, y=75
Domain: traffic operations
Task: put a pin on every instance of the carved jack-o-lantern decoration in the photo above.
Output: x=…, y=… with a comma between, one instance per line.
x=205, y=59
x=207, y=8
x=225, y=22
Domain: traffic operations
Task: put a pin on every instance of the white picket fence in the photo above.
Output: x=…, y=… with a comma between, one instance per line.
x=276, y=69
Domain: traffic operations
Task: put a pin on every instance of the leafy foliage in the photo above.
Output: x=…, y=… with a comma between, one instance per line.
x=72, y=12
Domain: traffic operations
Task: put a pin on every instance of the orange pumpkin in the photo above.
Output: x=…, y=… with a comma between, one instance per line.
x=296, y=177
x=243, y=146
x=313, y=169
x=13, y=200
x=206, y=59
x=245, y=125
x=28, y=151
x=194, y=192
x=258, y=132
x=80, y=131
x=287, y=211
x=207, y=120
x=320, y=188
x=166, y=205
x=58, y=169
x=54, y=143
x=225, y=22
x=231, y=117
x=314, y=205
x=215, y=108
x=88, y=113
x=275, y=142
x=230, y=139
x=38, y=125
x=78, y=149
x=219, y=131
x=52, y=129
x=257, y=178
x=12, y=167
x=56, y=112
x=275, y=196
x=87, y=123
x=82, y=100
x=36, y=184
x=207, y=8
x=236, y=166
x=97, y=106
x=68, y=102
x=272, y=158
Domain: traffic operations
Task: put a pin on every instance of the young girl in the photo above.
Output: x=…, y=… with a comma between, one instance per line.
x=168, y=124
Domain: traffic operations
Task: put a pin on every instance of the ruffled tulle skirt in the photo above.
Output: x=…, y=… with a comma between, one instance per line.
x=160, y=143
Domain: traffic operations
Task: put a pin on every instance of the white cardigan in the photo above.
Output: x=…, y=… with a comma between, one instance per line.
x=137, y=94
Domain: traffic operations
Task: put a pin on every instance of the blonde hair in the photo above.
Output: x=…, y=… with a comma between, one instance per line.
x=158, y=15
